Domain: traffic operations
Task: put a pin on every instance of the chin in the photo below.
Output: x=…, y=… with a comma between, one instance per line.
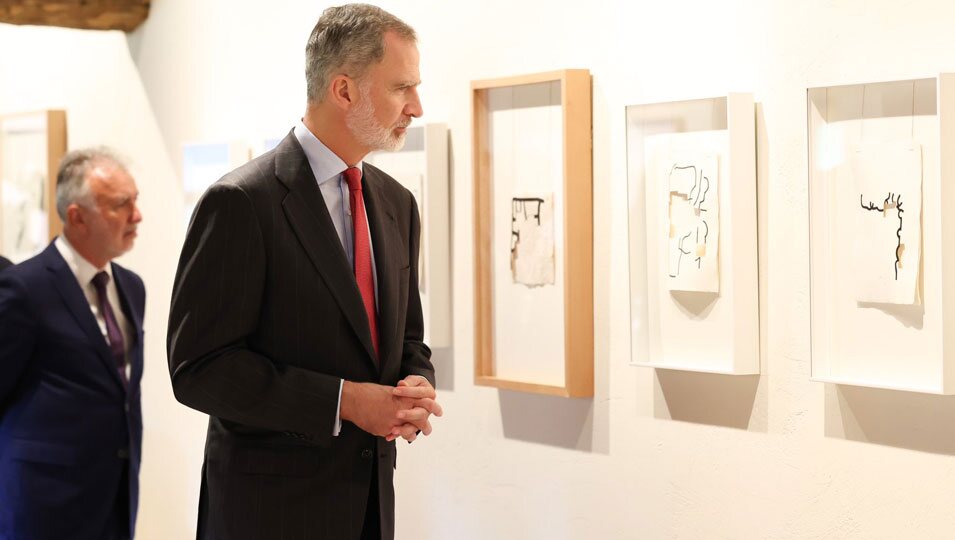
x=395, y=143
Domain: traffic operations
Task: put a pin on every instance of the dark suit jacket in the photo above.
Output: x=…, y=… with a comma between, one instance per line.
x=68, y=428
x=266, y=319
x=4, y=262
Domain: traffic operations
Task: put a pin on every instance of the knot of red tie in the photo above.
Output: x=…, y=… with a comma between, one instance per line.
x=353, y=177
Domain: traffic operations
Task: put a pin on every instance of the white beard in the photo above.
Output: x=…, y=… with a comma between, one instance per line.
x=363, y=125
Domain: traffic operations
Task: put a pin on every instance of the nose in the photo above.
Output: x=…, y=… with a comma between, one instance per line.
x=136, y=216
x=413, y=108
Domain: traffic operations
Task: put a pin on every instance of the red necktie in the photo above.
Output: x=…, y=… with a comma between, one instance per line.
x=366, y=283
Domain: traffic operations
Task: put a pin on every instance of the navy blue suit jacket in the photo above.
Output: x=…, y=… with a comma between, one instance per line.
x=68, y=428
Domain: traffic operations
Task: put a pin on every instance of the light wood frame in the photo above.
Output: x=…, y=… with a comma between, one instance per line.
x=56, y=144
x=575, y=96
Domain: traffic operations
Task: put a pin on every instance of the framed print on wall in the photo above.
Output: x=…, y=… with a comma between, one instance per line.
x=882, y=283
x=31, y=147
x=422, y=166
x=691, y=170
x=533, y=218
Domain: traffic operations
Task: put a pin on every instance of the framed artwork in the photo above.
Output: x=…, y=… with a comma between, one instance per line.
x=533, y=236
x=422, y=166
x=880, y=276
x=694, y=298
x=31, y=147
x=203, y=163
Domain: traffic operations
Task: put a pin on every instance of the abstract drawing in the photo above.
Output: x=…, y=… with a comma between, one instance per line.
x=532, y=240
x=693, y=217
x=887, y=208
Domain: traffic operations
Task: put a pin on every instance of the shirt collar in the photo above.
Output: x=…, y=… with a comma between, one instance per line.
x=324, y=163
x=82, y=269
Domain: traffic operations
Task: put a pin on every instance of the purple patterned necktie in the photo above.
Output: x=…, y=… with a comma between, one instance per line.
x=113, y=334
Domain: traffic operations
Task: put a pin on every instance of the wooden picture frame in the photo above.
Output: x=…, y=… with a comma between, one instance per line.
x=31, y=144
x=572, y=332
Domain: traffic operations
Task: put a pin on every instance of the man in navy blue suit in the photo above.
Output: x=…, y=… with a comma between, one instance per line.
x=71, y=359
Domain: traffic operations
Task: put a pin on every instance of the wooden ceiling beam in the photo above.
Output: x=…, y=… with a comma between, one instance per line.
x=125, y=15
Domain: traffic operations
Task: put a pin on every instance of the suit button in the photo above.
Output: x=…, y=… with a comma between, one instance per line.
x=122, y=453
x=126, y=406
x=366, y=454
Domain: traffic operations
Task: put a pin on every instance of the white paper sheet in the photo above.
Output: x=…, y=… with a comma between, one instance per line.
x=532, y=239
x=887, y=203
x=685, y=170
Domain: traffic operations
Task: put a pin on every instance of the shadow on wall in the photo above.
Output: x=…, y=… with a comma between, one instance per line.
x=708, y=398
x=550, y=420
x=891, y=418
x=443, y=360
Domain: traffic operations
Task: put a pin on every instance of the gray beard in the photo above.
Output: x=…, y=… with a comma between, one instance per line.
x=363, y=125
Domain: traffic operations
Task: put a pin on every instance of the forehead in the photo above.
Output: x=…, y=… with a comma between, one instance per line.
x=108, y=179
x=400, y=60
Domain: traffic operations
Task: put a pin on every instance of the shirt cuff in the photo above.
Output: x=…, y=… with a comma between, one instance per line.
x=338, y=411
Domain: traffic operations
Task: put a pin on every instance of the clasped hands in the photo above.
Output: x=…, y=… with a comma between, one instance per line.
x=391, y=411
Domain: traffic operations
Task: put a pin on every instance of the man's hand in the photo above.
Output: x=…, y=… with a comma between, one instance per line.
x=416, y=418
x=373, y=407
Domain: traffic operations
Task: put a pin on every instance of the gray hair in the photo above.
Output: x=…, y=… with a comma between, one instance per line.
x=71, y=184
x=349, y=37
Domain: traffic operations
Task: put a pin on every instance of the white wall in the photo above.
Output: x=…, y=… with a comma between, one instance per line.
x=654, y=454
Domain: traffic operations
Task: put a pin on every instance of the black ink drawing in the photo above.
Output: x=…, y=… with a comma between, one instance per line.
x=892, y=202
x=532, y=240
x=695, y=197
x=519, y=206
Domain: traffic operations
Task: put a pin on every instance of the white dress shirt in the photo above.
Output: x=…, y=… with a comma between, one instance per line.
x=328, y=170
x=84, y=271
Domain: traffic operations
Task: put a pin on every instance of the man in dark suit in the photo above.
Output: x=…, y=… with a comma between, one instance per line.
x=4, y=262
x=71, y=358
x=296, y=322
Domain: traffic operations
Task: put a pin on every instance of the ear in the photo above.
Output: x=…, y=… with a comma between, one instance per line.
x=74, y=216
x=343, y=91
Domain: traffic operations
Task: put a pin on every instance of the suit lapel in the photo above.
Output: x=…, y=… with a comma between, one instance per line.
x=381, y=221
x=65, y=282
x=307, y=213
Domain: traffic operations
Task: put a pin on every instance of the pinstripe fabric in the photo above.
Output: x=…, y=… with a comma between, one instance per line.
x=266, y=318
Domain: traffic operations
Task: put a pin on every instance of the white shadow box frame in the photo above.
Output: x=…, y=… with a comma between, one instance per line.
x=422, y=166
x=532, y=141
x=892, y=346
x=712, y=332
x=31, y=147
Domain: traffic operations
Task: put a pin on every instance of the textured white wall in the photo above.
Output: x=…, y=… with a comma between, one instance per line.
x=653, y=455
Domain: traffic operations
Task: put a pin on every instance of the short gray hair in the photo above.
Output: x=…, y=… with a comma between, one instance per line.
x=71, y=184
x=349, y=37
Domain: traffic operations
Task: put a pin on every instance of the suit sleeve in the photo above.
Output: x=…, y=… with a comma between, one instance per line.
x=415, y=356
x=215, y=307
x=17, y=333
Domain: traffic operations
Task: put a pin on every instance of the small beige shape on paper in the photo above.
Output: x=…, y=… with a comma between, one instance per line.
x=887, y=203
x=532, y=239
